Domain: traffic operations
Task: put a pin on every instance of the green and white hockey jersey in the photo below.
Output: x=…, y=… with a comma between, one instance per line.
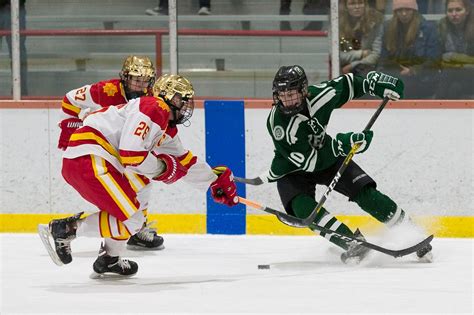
x=301, y=142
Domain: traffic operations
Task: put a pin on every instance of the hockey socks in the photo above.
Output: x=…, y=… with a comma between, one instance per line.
x=303, y=205
x=380, y=206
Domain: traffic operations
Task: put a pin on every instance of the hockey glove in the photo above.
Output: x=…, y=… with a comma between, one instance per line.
x=383, y=85
x=173, y=169
x=223, y=189
x=345, y=141
x=68, y=126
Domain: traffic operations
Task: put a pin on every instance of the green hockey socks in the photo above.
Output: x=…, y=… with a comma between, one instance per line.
x=380, y=206
x=303, y=205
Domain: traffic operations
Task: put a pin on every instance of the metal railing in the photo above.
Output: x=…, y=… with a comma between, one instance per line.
x=159, y=33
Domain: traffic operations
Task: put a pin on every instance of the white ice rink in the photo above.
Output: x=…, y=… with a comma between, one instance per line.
x=218, y=274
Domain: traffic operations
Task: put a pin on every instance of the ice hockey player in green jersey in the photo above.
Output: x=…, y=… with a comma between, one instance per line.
x=306, y=156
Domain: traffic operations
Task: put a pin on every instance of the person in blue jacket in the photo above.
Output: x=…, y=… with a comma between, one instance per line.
x=411, y=50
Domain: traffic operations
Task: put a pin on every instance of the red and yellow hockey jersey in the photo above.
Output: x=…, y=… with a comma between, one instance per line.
x=130, y=135
x=91, y=97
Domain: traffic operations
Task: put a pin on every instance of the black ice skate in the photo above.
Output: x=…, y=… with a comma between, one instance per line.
x=62, y=231
x=425, y=254
x=145, y=239
x=356, y=252
x=106, y=266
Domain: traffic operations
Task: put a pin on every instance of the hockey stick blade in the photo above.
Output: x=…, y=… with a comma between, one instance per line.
x=394, y=253
x=251, y=181
x=299, y=223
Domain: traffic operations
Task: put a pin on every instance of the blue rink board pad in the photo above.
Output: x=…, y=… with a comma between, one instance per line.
x=225, y=145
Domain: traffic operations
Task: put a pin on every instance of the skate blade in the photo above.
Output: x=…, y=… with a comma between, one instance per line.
x=427, y=259
x=45, y=236
x=352, y=261
x=141, y=248
x=108, y=276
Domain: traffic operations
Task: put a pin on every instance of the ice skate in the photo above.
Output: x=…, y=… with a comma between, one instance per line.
x=425, y=254
x=146, y=239
x=62, y=232
x=106, y=266
x=356, y=252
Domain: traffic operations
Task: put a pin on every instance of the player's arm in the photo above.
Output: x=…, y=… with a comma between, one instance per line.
x=74, y=106
x=79, y=103
x=199, y=174
x=349, y=86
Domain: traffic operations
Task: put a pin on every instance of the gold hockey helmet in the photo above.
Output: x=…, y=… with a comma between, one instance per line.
x=178, y=93
x=138, y=66
x=137, y=75
x=169, y=84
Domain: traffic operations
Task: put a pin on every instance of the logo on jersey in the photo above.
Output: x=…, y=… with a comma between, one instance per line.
x=163, y=105
x=319, y=132
x=278, y=132
x=110, y=89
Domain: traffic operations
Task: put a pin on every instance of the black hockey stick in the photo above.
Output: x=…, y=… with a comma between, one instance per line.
x=251, y=181
x=394, y=253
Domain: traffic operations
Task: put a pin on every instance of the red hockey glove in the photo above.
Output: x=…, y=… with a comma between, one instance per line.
x=173, y=171
x=68, y=126
x=223, y=189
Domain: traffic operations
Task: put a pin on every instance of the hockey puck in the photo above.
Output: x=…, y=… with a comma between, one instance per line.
x=263, y=266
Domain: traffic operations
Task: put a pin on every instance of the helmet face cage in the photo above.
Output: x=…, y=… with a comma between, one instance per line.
x=290, y=87
x=178, y=93
x=137, y=75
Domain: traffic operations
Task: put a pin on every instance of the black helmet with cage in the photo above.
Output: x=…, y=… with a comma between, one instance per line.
x=178, y=93
x=290, y=88
x=137, y=76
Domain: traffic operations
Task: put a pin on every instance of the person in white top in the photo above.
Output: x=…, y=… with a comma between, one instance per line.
x=139, y=137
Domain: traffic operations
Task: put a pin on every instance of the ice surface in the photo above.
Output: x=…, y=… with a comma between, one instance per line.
x=219, y=274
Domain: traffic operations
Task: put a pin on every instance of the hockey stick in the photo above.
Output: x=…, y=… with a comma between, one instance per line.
x=251, y=181
x=394, y=253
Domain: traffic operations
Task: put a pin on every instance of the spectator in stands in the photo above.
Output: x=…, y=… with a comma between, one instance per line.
x=411, y=50
x=162, y=8
x=457, y=47
x=360, y=31
x=378, y=5
x=311, y=7
x=5, y=24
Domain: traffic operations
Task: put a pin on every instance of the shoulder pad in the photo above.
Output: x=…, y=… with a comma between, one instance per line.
x=109, y=92
x=156, y=109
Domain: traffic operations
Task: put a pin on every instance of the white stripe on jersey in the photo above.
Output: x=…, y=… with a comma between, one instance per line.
x=321, y=99
x=272, y=118
x=350, y=82
x=292, y=128
x=310, y=164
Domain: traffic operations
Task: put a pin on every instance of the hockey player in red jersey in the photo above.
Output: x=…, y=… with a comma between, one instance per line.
x=140, y=137
x=136, y=79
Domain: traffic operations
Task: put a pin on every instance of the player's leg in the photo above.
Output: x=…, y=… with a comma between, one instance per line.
x=297, y=193
x=98, y=182
x=109, y=260
x=146, y=238
x=362, y=189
